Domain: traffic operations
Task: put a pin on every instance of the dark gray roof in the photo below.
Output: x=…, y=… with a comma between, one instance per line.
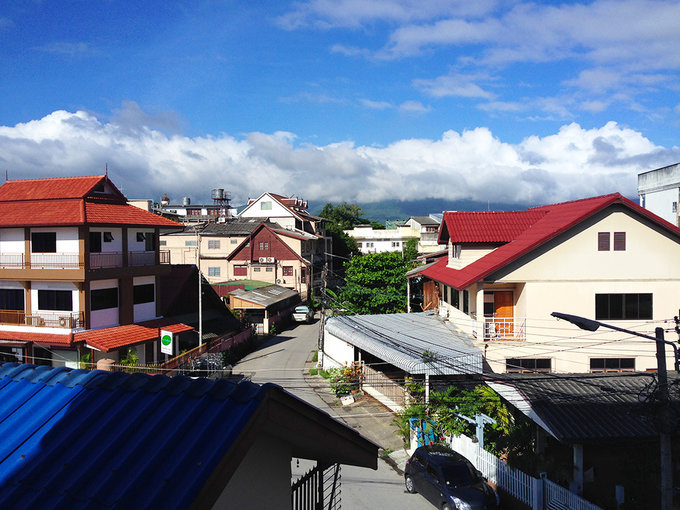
x=425, y=220
x=265, y=296
x=581, y=408
x=402, y=340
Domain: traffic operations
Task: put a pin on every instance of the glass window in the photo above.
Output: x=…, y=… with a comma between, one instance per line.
x=44, y=242
x=612, y=364
x=256, y=269
x=528, y=365
x=190, y=243
x=101, y=299
x=213, y=271
x=265, y=206
x=55, y=300
x=11, y=299
x=269, y=269
x=144, y=293
x=623, y=306
x=95, y=242
x=214, y=244
x=287, y=270
x=108, y=237
x=234, y=241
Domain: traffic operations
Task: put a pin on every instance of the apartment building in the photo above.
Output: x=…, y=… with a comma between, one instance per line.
x=79, y=272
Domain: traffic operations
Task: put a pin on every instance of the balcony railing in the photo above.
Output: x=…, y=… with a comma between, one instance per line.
x=141, y=258
x=164, y=256
x=68, y=320
x=11, y=260
x=106, y=259
x=504, y=328
x=55, y=261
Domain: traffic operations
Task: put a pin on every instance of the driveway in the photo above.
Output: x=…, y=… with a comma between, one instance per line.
x=282, y=360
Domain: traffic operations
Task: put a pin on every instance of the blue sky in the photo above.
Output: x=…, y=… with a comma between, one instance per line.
x=342, y=99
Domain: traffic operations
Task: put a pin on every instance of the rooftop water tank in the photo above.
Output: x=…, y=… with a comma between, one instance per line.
x=186, y=201
x=218, y=193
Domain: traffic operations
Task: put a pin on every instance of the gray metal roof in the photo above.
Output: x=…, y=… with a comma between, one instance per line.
x=405, y=340
x=579, y=408
x=425, y=220
x=265, y=296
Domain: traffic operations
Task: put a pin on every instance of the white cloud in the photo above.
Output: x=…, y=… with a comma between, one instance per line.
x=454, y=84
x=474, y=164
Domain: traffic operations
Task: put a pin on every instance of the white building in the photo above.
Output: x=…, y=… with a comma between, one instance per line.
x=659, y=191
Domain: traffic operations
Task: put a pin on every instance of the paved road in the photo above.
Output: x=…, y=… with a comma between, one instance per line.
x=280, y=360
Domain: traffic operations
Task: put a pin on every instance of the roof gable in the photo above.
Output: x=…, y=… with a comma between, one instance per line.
x=59, y=188
x=254, y=238
x=553, y=220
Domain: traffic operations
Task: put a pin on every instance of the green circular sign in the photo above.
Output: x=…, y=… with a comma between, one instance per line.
x=166, y=339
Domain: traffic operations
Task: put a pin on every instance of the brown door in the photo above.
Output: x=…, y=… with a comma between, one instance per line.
x=503, y=318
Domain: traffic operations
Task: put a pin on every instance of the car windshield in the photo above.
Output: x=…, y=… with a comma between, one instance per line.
x=301, y=309
x=458, y=475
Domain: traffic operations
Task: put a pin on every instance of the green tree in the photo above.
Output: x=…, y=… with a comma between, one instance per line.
x=411, y=252
x=343, y=216
x=375, y=283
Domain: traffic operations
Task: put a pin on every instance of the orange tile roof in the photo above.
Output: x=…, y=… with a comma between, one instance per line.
x=109, y=339
x=124, y=214
x=45, y=189
x=57, y=340
x=42, y=213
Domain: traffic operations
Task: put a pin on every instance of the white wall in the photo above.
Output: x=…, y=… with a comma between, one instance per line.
x=337, y=352
x=116, y=245
x=133, y=244
x=12, y=240
x=67, y=238
x=661, y=204
x=36, y=286
x=145, y=311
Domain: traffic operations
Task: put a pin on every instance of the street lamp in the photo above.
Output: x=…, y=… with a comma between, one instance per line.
x=664, y=435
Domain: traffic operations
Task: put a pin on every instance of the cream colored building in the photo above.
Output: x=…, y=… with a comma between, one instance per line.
x=603, y=258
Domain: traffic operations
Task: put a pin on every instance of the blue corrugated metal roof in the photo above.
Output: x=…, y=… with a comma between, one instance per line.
x=75, y=438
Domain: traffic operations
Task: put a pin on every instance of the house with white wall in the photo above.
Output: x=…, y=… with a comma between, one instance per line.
x=370, y=240
x=77, y=264
x=604, y=258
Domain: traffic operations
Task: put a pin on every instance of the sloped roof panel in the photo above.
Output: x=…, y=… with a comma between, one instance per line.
x=46, y=189
x=42, y=213
x=53, y=339
x=124, y=214
x=109, y=339
x=407, y=341
x=488, y=226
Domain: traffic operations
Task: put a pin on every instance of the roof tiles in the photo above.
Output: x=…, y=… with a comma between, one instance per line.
x=109, y=339
x=47, y=189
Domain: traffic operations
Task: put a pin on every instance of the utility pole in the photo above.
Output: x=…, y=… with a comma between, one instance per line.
x=324, y=277
x=664, y=424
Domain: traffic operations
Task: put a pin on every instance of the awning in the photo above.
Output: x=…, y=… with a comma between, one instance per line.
x=49, y=339
x=110, y=339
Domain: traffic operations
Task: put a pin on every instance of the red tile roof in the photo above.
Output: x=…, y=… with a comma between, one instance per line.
x=486, y=227
x=554, y=220
x=109, y=339
x=51, y=339
x=70, y=201
x=46, y=189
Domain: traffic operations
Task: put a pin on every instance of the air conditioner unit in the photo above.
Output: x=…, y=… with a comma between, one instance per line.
x=278, y=281
x=64, y=322
x=267, y=260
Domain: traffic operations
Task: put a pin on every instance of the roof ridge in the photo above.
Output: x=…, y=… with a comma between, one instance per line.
x=578, y=200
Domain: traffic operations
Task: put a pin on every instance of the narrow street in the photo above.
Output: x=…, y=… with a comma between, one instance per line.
x=281, y=360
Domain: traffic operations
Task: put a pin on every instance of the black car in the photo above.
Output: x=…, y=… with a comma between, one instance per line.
x=448, y=480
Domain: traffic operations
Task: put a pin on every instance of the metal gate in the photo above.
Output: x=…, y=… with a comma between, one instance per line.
x=318, y=489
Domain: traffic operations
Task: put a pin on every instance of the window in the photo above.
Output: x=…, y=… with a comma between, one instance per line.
x=457, y=249
x=359, y=245
x=190, y=243
x=303, y=273
x=396, y=244
x=11, y=299
x=265, y=206
x=95, y=242
x=527, y=365
x=44, y=242
x=108, y=237
x=612, y=364
x=466, y=301
x=674, y=207
x=264, y=245
x=234, y=241
x=287, y=270
x=140, y=237
x=619, y=241
x=603, y=241
x=269, y=269
x=144, y=293
x=101, y=299
x=256, y=269
x=240, y=270
x=623, y=306
x=163, y=242
x=214, y=244
x=150, y=242
x=213, y=271
x=55, y=300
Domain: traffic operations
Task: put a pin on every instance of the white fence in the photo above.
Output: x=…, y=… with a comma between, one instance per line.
x=537, y=493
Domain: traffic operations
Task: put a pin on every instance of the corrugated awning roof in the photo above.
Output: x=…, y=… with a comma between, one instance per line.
x=581, y=408
x=109, y=339
x=418, y=343
x=265, y=296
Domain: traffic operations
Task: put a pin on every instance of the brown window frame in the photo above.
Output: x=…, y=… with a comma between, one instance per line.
x=603, y=241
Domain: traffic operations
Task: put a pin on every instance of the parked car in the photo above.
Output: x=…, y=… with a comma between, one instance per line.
x=448, y=480
x=302, y=314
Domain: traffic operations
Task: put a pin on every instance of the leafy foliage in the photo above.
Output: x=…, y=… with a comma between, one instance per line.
x=411, y=252
x=375, y=283
x=343, y=216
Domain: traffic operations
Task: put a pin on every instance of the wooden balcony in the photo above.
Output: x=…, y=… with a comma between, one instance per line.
x=67, y=320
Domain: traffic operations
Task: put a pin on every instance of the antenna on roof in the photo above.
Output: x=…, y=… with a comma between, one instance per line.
x=106, y=170
x=6, y=175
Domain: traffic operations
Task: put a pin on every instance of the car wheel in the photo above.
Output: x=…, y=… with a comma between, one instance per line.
x=408, y=481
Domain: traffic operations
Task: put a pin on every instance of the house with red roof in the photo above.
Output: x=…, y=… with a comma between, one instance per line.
x=291, y=214
x=79, y=270
x=604, y=258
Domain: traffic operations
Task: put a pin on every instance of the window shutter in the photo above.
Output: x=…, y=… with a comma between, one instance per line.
x=619, y=241
x=603, y=241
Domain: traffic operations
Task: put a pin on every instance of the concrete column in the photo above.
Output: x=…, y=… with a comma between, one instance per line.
x=577, y=478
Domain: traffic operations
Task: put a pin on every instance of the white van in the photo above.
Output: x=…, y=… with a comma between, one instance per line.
x=302, y=314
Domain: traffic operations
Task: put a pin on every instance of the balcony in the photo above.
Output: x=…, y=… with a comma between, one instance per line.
x=66, y=320
x=55, y=261
x=104, y=260
x=504, y=328
x=12, y=261
x=141, y=258
x=164, y=256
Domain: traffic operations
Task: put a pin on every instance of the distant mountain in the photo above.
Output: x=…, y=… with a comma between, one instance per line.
x=403, y=210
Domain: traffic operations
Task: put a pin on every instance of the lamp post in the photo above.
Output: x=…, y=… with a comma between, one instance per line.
x=664, y=432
